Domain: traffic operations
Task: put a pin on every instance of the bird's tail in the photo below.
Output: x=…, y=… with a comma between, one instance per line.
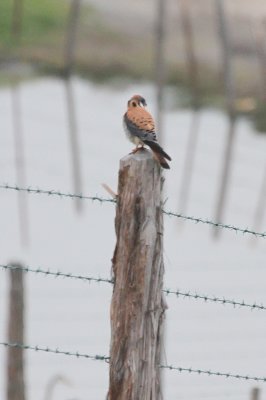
x=159, y=153
x=157, y=148
x=161, y=160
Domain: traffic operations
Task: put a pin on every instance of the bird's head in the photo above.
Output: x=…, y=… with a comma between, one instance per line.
x=136, y=101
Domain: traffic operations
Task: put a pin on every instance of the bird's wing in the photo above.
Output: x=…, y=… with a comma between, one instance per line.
x=140, y=123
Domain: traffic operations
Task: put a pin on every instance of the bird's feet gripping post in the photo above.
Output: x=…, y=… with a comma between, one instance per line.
x=137, y=148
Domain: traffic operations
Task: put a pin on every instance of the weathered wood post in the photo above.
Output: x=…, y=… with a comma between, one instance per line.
x=15, y=365
x=137, y=308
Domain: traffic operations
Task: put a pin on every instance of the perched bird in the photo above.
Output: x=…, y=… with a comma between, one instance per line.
x=140, y=129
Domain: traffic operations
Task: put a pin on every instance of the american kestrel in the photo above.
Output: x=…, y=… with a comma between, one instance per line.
x=140, y=129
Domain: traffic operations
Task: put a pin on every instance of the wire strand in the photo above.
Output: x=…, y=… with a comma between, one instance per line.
x=55, y=274
x=177, y=293
x=55, y=351
x=216, y=224
x=215, y=299
x=107, y=359
x=56, y=193
x=108, y=200
x=214, y=373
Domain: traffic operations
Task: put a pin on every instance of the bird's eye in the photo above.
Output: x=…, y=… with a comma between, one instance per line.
x=134, y=104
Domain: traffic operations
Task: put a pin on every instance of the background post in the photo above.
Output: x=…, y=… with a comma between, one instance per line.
x=15, y=365
x=137, y=308
x=17, y=17
x=255, y=393
x=71, y=35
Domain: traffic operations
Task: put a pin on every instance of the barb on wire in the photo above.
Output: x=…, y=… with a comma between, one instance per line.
x=55, y=351
x=105, y=200
x=107, y=359
x=214, y=373
x=56, y=274
x=215, y=299
x=216, y=224
x=177, y=293
x=55, y=193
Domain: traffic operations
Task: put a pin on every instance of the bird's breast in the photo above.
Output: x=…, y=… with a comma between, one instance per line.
x=133, y=138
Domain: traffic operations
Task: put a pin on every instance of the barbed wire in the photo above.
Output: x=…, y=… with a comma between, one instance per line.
x=177, y=293
x=55, y=274
x=55, y=351
x=56, y=193
x=214, y=373
x=108, y=200
x=107, y=359
x=215, y=299
x=216, y=224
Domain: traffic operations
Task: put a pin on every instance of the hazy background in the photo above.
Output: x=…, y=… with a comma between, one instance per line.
x=67, y=69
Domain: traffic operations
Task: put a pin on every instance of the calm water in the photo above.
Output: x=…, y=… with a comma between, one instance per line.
x=73, y=315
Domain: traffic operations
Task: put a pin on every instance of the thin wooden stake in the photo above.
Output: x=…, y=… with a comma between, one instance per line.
x=15, y=365
x=137, y=308
x=109, y=191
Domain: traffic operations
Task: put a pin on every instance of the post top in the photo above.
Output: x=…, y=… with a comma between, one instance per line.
x=140, y=155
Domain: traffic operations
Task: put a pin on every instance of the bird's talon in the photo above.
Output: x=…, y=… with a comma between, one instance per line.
x=135, y=150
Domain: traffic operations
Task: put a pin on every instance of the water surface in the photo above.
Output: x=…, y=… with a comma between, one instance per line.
x=73, y=315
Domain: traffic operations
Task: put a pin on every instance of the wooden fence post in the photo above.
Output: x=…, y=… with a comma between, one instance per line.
x=17, y=17
x=15, y=366
x=137, y=308
x=159, y=64
x=260, y=207
x=229, y=86
x=255, y=393
x=192, y=70
x=74, y=140
x=19, y=144
x=71, y=35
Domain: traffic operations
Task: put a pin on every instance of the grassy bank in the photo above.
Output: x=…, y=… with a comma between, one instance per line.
x=41, y=22
x=100, y=52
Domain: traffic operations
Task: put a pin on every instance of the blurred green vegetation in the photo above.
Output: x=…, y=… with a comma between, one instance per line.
x=40, y=20
x=102, y=53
